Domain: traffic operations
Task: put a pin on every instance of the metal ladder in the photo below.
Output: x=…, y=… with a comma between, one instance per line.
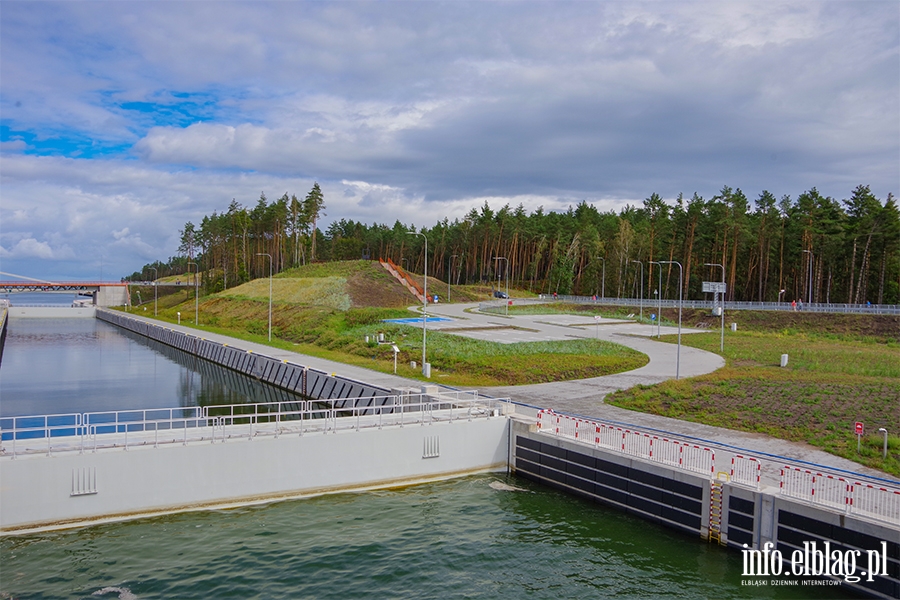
x=715, y=509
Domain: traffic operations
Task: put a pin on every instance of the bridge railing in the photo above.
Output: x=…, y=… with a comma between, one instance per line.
x=649, y=305
x=89, y=432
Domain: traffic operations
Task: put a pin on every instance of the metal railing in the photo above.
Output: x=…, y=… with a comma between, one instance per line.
x=651, y=304
x=89, y=432
x=818, y=487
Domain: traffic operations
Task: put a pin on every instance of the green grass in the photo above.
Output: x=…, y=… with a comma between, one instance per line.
x=828, y=385
x=341, y=336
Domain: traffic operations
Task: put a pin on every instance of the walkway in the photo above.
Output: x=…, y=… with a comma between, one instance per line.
x=582, y=397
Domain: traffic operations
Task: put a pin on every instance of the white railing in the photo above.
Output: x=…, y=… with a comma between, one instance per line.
x=629, y=442
x=813, y=486
x=745, y=471
x=89, y=432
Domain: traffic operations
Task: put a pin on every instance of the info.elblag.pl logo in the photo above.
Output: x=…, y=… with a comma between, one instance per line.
x=814, y=561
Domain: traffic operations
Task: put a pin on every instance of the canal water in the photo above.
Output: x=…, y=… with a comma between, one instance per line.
x=472, y=537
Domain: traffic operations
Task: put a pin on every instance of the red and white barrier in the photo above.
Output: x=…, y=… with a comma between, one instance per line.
x=745, y=471
x=875, y=501
x=797, y=483
x=831, y=490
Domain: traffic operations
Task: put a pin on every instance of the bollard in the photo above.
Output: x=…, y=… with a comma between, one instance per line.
x=412, y=364
x=734, y=326
x=784, y=360
x=426, y=371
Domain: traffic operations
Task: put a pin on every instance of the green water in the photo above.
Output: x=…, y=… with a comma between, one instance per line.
x=452, y=539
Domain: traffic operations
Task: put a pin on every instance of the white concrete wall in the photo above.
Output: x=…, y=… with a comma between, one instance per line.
x=37, y=491
x=50, y=312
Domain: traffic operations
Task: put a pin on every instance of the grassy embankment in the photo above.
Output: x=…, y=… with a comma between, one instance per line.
x=328, y=309
x=841, y=369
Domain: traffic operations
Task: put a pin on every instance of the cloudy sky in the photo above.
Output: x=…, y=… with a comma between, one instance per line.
x=121, y=121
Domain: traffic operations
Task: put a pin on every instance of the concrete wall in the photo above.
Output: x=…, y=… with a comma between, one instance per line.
x=51, y=312
x=307, y=382
x=70, y=488
x=681, y=500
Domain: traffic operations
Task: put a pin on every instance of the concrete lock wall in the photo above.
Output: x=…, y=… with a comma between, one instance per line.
x=299, y=379
x=78, y=488
x=681, y=500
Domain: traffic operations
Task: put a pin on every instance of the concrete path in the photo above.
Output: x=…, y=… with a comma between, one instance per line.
x=581, y=397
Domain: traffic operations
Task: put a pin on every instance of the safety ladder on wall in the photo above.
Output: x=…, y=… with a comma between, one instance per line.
x=715, y=508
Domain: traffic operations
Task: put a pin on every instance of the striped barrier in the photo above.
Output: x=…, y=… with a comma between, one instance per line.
x=745, y=471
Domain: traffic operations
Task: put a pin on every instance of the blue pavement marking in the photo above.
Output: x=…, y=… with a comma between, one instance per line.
x=415, y=320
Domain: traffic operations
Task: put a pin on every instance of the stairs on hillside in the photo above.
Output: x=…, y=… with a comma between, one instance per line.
x=403, y=277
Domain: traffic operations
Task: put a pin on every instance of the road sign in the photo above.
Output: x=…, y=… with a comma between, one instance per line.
x=859, y=428
x=715, y=287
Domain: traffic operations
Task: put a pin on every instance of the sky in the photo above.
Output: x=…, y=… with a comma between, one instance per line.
x=122, y=121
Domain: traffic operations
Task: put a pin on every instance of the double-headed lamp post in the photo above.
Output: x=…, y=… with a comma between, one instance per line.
x=270, y=291
x=642, y=289
x=155, y=277
x=722, y=308
x=680, y=302
x=196, y=294
x=424, y=298
x=506, y=264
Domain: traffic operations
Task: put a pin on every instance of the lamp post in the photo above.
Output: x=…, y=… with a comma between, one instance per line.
x=641, y=318
x=780, y=294
x=270, y=291
x=809, y=275
x=507, y=281
x=659, y=297
x=603, y=279
x=155, y=277
x=722, y=340
x=680, y=302
x=450, y=274
x=882, y=430
x=424, y=298
x=196, y=294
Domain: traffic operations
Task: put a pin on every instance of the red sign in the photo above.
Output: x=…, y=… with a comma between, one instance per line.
x=859, y=428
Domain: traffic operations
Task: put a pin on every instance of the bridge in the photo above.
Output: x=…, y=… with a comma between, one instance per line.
x=104, y=293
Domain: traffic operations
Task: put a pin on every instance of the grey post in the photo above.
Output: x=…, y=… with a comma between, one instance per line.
x=680, y=303
x=449, y=274
x=884, y=431
x=424, y=298
x=809, y=278
x=641, y=318
x=196, y=294
x=270, y=291
x=722, y=340
x=155, y=277
x=506, y=264
x=659, y=297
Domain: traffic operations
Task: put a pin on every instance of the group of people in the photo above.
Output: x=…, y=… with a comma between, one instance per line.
x=797, y=305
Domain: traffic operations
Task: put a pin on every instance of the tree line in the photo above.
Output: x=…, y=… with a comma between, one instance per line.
x=811, y=247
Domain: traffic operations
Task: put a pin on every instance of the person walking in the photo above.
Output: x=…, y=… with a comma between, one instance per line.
x=794, y=305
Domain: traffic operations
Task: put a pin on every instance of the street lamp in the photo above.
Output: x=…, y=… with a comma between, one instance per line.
x=450, y=274
x=642, y=289
x=424, y=298
x=507, y=280
x=722, y=340
x=270, y=291
x=196, y=294
x=884, y=431
x=659, y=296
x=680, y=302
x=809, y=277
x=603, y=279
x=155, y=277
x=780, y=294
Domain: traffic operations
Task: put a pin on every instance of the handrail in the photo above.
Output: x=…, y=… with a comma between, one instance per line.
x=878, y=502
x=92, y=431
x=822, y=307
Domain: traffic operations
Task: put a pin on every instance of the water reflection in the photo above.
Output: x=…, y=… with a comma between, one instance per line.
x=53, y=366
